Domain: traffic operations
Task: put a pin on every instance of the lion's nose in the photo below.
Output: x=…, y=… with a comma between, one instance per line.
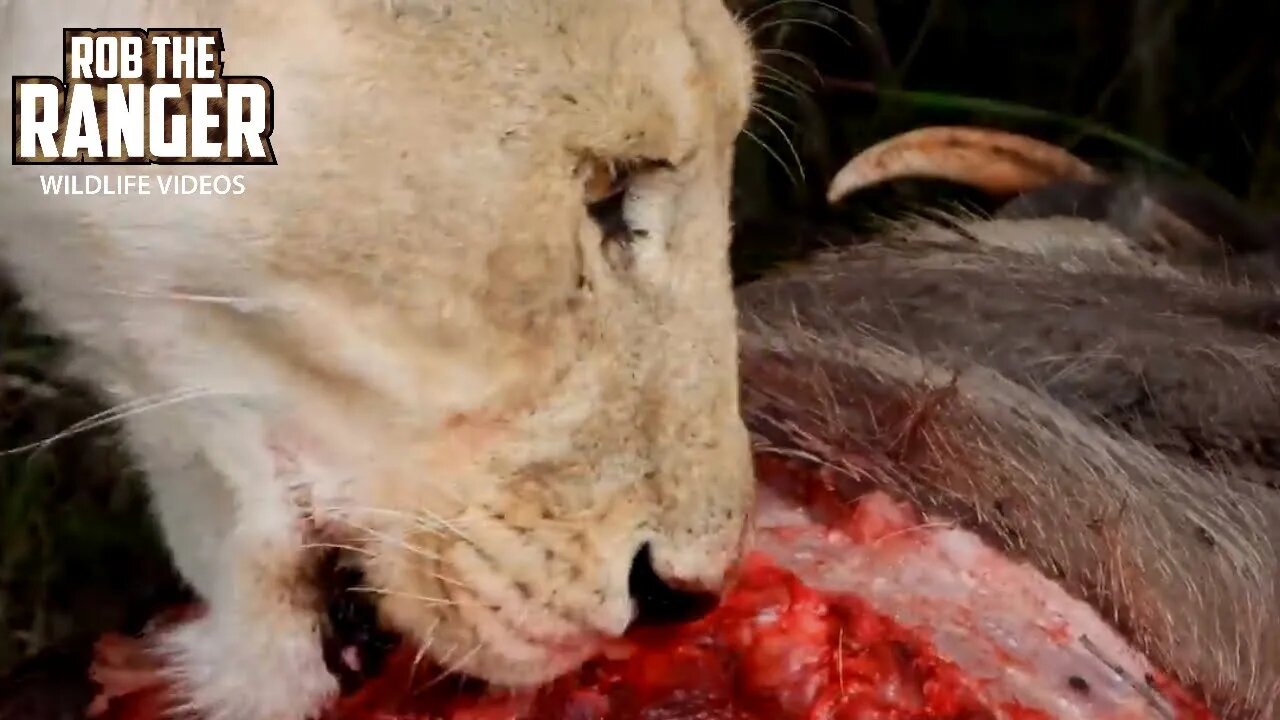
x=657, y=602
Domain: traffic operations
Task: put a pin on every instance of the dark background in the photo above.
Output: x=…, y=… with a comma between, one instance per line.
x=1181, y=88
x=1172, y=87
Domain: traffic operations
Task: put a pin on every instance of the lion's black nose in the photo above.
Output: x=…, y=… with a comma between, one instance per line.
x=657, y=602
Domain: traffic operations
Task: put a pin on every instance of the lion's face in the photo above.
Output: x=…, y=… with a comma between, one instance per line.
x=512, y=349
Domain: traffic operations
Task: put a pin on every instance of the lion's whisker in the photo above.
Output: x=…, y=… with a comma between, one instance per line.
x=820, y=3
x=782, y=117
x=783, y=90
x=119, y=412
x=337, y=546
x=397, y=542
x=451, y=670
x=423, y=648
x=427, y=599
x=799, y=21
x=764, y=146
x=422, y=523
x=777, y=75
x=442, y=662
x=790, y=55
x=240, y=304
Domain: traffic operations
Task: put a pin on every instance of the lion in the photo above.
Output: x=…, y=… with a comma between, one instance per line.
x=475, y=330
x=477, y=333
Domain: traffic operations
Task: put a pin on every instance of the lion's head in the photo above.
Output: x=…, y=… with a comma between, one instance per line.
x=517, y=340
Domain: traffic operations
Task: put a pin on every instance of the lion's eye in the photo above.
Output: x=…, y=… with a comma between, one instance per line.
x=606, y=194
x=605, y=189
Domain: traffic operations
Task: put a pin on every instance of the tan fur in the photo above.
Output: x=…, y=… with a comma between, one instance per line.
x=1091, y=408
x=408, y=338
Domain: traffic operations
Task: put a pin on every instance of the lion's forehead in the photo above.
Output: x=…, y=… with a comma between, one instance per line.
x=419, y=130
x=654, y=78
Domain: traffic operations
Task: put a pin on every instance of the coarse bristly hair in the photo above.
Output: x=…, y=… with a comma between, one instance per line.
x=1111, y=417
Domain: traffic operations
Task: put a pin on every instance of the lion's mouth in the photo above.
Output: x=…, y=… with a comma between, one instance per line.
x=358, y=644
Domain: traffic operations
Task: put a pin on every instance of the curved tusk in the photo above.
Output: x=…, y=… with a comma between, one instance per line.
x=997, y=162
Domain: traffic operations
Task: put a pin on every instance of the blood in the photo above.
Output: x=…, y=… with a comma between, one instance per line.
x=775, y=649
x=1185, y=705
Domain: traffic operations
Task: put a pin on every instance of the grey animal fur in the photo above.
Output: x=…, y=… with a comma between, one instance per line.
x=1106, y=414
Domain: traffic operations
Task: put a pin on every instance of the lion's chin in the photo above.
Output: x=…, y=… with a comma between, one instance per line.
x=527, y=670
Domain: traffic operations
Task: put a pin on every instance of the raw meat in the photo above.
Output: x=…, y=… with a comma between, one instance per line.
x=863, y=611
